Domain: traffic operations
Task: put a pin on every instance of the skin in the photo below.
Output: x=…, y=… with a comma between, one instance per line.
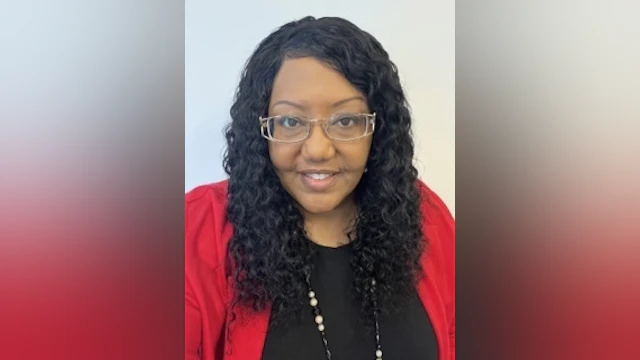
x=307, y=87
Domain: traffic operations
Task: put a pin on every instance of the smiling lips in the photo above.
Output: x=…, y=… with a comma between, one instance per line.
x=318, y=180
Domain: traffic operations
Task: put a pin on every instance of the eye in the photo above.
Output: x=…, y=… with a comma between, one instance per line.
x=289, y=122
x=345, y=121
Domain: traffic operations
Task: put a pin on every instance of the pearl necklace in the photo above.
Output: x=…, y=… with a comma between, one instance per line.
x=313, y=301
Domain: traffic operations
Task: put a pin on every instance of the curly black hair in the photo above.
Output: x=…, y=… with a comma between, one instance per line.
x=269, y=250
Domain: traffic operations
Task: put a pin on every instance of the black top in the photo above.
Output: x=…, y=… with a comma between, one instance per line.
x=407, y=334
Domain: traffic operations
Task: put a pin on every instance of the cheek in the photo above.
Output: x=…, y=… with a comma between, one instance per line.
x=354, y=156
x=282, y=157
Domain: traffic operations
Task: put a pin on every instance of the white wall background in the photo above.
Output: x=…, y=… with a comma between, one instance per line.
x=419, y=36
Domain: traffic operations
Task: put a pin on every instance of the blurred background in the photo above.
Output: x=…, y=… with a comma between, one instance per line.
x=92, y=99
x=420, y=38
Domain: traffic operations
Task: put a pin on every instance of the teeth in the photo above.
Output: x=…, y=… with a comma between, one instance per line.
x=318, y=176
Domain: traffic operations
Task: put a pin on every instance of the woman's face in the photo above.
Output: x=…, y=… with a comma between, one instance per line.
x=306, y=87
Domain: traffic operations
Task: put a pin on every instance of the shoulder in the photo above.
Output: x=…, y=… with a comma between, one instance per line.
x=439, y=230
x=214, y=193
x=437, y=219
x=207, y=230
x=438, y=287
x=431, y=204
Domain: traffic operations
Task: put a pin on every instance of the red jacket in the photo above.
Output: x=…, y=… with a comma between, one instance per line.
x=207, y=288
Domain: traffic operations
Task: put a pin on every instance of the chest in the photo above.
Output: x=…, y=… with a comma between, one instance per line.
x=405, y=333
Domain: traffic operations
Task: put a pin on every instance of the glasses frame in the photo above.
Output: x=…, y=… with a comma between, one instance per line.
x=264, y=131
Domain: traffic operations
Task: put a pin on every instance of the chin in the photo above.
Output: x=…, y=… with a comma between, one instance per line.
x=317, y=207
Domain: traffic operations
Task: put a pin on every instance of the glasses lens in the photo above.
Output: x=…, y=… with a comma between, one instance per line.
x=287, y=128
x=347, y=127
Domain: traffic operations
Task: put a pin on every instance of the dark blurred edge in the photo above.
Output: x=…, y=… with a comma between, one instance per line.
x=546, y=179
x=92, y=180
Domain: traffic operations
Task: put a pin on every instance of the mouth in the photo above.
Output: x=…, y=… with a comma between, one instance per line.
x=318, y=180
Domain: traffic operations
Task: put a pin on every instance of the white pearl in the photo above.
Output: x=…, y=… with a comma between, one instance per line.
x=320, y=327
x=312, y=294
x=378, y=353
x=313, y=302
x=319, y=319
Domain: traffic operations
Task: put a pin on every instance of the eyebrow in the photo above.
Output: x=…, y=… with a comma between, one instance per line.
x=287, y=102
x=302, y=107
x=341, y=102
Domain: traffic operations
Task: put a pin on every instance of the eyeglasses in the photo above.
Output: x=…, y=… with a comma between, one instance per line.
x=339, y=127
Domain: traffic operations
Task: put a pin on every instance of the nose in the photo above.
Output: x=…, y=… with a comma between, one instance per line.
x=318, y=147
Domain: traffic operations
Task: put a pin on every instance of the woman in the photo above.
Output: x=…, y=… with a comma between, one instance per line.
x=322, y=244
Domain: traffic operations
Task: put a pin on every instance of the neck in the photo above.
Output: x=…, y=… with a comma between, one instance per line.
x=330, y=229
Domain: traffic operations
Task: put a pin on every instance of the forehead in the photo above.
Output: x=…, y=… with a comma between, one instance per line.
x=311, y=83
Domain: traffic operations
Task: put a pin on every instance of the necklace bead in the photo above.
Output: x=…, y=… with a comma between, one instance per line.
x=319, y=320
